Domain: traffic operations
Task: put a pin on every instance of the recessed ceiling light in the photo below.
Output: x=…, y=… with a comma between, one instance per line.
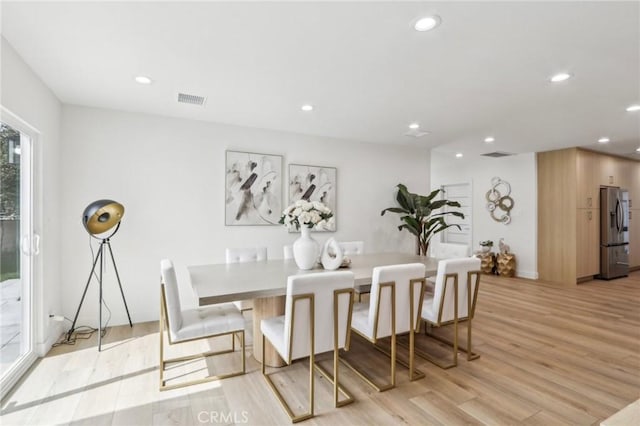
x=459, y=155
x=414, y=126
x=633, y=108
x=427, y=23
x=604, y=140
x=560, y=77
x=637, y=149
x=143, y=79
x=307, y=107
x=489, y=139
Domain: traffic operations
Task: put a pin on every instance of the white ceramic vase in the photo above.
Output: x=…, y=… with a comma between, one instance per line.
x=331, y=255
x=305, y=250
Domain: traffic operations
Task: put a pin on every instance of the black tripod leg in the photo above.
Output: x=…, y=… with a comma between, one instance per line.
x=86, y=287
x=100, y=307
x=119, y=284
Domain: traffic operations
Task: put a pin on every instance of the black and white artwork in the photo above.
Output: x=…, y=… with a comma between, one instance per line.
x=314, y=183
x=253, y=188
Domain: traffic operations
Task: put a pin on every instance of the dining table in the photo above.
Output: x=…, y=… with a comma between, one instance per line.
x=265, y=282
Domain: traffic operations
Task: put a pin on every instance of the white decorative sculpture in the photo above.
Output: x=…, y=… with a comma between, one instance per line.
x=331, y=255
x=504, y=248
x=497, y=200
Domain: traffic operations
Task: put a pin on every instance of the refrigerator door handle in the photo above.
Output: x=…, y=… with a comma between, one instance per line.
x=618, y=215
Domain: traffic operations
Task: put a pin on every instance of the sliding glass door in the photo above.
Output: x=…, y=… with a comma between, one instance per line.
x=17, y=247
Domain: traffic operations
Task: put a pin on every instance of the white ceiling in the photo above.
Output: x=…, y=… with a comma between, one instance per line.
x=482, y=72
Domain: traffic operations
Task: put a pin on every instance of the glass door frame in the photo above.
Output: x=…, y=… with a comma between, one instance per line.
x=28, y=249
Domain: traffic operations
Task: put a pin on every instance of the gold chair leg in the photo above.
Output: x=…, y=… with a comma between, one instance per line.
x=161, y=332
x=361, y=373
x=163, y=362
x=244, y=353
x=454, y=344
x=283, y=402
x=467, y=349
x=417, y=374
x=311, y=381
x=412, y=356
x=337, y=388
x=394, y=348
x=367, y=378
x=292, y=416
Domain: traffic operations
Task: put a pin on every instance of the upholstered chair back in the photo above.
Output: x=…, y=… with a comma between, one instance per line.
x=172, y=297
x=243, y=255
x=352, y=247
x=450, y=251
x=288, y=251
x=322, y=286
x=443, y=295
x=401, y=275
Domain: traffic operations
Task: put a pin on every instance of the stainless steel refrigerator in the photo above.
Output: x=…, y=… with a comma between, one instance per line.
x=614, y=233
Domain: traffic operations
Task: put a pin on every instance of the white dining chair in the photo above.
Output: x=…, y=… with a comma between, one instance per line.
x=394, y=308
x=288, y=251
x=446, y=251
x=194, y=324
x=306, y=329
x=352, y=247
x=450, y=251
x=453, y=300
x=244, y=255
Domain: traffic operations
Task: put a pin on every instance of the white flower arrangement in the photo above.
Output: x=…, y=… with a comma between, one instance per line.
x=309, y=214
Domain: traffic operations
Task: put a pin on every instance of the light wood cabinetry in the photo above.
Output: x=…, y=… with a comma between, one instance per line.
x=557, y=186
x=634, y=238
x=607, y=171
x=634, y=186
x=624, y=169
x=569, y=183
x=587, y=180
x=587, y=243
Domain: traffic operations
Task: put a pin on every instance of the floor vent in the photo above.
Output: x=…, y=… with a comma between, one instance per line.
x=497, y=154
x=191, y=99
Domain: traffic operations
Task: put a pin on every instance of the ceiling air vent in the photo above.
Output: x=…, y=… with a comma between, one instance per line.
x=497, y=154
x=415, y=133
x=191, y=99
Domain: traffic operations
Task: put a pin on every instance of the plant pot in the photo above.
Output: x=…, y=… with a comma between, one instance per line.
x=305, y=250
x=486, y=249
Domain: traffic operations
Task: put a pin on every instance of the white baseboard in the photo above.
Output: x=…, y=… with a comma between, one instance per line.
x=527, y=274
x=55, y=331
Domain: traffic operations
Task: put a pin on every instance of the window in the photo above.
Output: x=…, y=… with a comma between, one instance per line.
x=17, y=248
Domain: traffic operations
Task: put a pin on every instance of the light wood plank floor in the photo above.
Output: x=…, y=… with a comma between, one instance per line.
x=549, y=355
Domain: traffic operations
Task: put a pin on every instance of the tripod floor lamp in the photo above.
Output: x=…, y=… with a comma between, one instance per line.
x=99, y=218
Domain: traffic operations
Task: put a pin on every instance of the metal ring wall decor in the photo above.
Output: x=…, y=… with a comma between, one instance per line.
x=499, y=197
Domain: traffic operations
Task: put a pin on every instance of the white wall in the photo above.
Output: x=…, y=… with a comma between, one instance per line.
x=169, y=175
x=520, y=172
x=25, y=95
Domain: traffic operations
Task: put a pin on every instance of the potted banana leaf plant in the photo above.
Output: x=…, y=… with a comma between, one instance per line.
x=422, y=216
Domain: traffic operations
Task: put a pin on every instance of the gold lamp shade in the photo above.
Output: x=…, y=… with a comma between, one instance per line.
x=102, y=215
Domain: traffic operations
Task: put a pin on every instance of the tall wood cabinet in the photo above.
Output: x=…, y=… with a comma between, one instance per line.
x=569, y=182
x=634, y=216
